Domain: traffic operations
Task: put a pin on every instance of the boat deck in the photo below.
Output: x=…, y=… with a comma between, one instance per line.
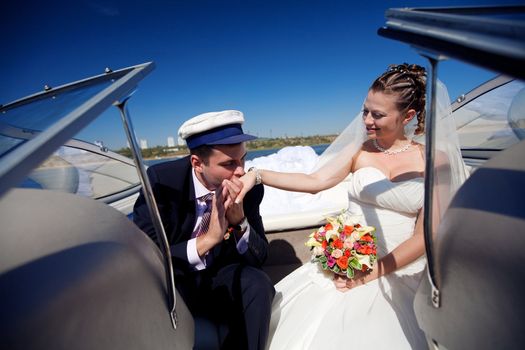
x=287, y=252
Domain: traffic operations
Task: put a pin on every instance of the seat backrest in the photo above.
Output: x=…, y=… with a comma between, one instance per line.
x=77, y=274
x=480, y=259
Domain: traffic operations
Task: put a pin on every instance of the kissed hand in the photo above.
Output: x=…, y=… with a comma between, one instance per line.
x=233, y=205
x=248, y=181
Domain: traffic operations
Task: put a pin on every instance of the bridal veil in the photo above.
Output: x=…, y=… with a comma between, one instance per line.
x=449, y=169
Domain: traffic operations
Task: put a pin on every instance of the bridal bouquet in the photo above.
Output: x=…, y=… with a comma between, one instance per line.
x=343, y=246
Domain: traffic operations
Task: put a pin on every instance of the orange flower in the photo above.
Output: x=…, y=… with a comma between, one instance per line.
x=367, y=238
x=347, y=253
x=324, y=244
x=342, y=262
x=338, y=243
x=328, y=227
x=348, y=229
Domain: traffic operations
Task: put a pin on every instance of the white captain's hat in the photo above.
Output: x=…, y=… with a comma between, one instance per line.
x=214, y=128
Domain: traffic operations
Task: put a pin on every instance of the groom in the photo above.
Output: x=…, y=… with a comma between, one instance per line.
x=218, y=246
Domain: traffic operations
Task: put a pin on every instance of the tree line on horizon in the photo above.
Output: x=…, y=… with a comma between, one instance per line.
x=258, y=144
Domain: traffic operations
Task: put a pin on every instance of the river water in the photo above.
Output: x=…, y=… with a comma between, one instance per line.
x=251, y=154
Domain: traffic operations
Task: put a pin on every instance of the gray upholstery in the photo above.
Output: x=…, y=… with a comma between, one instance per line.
x=480, y=261
x=77, y=274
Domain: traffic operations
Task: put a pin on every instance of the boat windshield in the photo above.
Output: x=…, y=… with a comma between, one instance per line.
x=488, y=122
x=20, y=122
x=32, y=129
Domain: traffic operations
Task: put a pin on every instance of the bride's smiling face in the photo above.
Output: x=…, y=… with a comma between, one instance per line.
x=382, y=118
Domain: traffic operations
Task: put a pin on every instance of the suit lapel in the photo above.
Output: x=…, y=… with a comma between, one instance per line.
x=190, y=217
x=185, y=205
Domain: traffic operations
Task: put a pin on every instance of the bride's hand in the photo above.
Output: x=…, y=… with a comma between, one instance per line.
x=248, y=181
x=344, y=284
x=359, y=279
x=340, y=283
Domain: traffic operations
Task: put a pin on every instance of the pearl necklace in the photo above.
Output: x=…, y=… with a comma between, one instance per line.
x=390, y=152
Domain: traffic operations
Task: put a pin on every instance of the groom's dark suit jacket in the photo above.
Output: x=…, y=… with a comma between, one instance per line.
x=172, y=184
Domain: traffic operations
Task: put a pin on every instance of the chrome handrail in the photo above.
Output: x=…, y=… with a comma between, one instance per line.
x=430, y=139
x=152, y=206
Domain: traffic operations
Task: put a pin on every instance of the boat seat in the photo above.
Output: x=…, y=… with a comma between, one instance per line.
x=77, y=274
x=480, y=254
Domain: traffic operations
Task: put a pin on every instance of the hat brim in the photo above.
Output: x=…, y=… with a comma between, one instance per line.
x=233, y=139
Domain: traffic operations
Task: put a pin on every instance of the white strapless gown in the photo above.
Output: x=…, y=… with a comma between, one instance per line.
x=309, y=313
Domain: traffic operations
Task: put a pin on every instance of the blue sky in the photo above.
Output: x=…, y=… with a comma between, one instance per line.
x=293, y=67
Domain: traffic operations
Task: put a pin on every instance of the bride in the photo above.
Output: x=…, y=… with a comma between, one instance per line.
x=315, y=309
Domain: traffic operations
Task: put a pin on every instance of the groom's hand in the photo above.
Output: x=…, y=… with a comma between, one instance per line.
x=218, y=224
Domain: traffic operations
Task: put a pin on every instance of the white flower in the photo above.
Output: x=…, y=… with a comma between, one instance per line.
x=332, y=234
x=312, y=242
x=363, y=230
x=364, y=259
x=317, y=251
x=355, y=236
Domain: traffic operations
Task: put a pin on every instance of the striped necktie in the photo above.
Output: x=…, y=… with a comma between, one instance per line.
x=206, y=216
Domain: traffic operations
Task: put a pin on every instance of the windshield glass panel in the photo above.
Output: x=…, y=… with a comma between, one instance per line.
x=82, y=172
x=488, y=123
x=24, y=121
x=45, y=111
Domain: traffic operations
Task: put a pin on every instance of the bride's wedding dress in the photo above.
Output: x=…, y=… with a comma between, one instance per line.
x=309, y=313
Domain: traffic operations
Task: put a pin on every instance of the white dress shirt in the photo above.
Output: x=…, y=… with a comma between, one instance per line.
x=199, y=263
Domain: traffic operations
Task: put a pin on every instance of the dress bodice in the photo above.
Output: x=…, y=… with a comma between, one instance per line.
x=391, y=207
x=369, y=185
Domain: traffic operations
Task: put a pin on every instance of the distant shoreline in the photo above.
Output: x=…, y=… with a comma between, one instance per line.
x=183, y=154
x=260, y=144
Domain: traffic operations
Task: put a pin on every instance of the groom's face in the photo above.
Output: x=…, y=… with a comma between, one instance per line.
x=224, y=162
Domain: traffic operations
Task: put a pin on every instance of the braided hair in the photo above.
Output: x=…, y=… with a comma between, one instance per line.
x=408, y=82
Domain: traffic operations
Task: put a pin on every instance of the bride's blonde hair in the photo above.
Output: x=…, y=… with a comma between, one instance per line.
x=408, y=82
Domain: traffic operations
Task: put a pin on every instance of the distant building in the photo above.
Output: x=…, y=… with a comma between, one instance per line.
x=171, y=141
x=181, y=141
x=143, y=144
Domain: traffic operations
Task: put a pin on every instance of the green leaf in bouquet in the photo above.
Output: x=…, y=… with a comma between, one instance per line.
x=350, y=273
x=324, y=265
x=355, y=264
